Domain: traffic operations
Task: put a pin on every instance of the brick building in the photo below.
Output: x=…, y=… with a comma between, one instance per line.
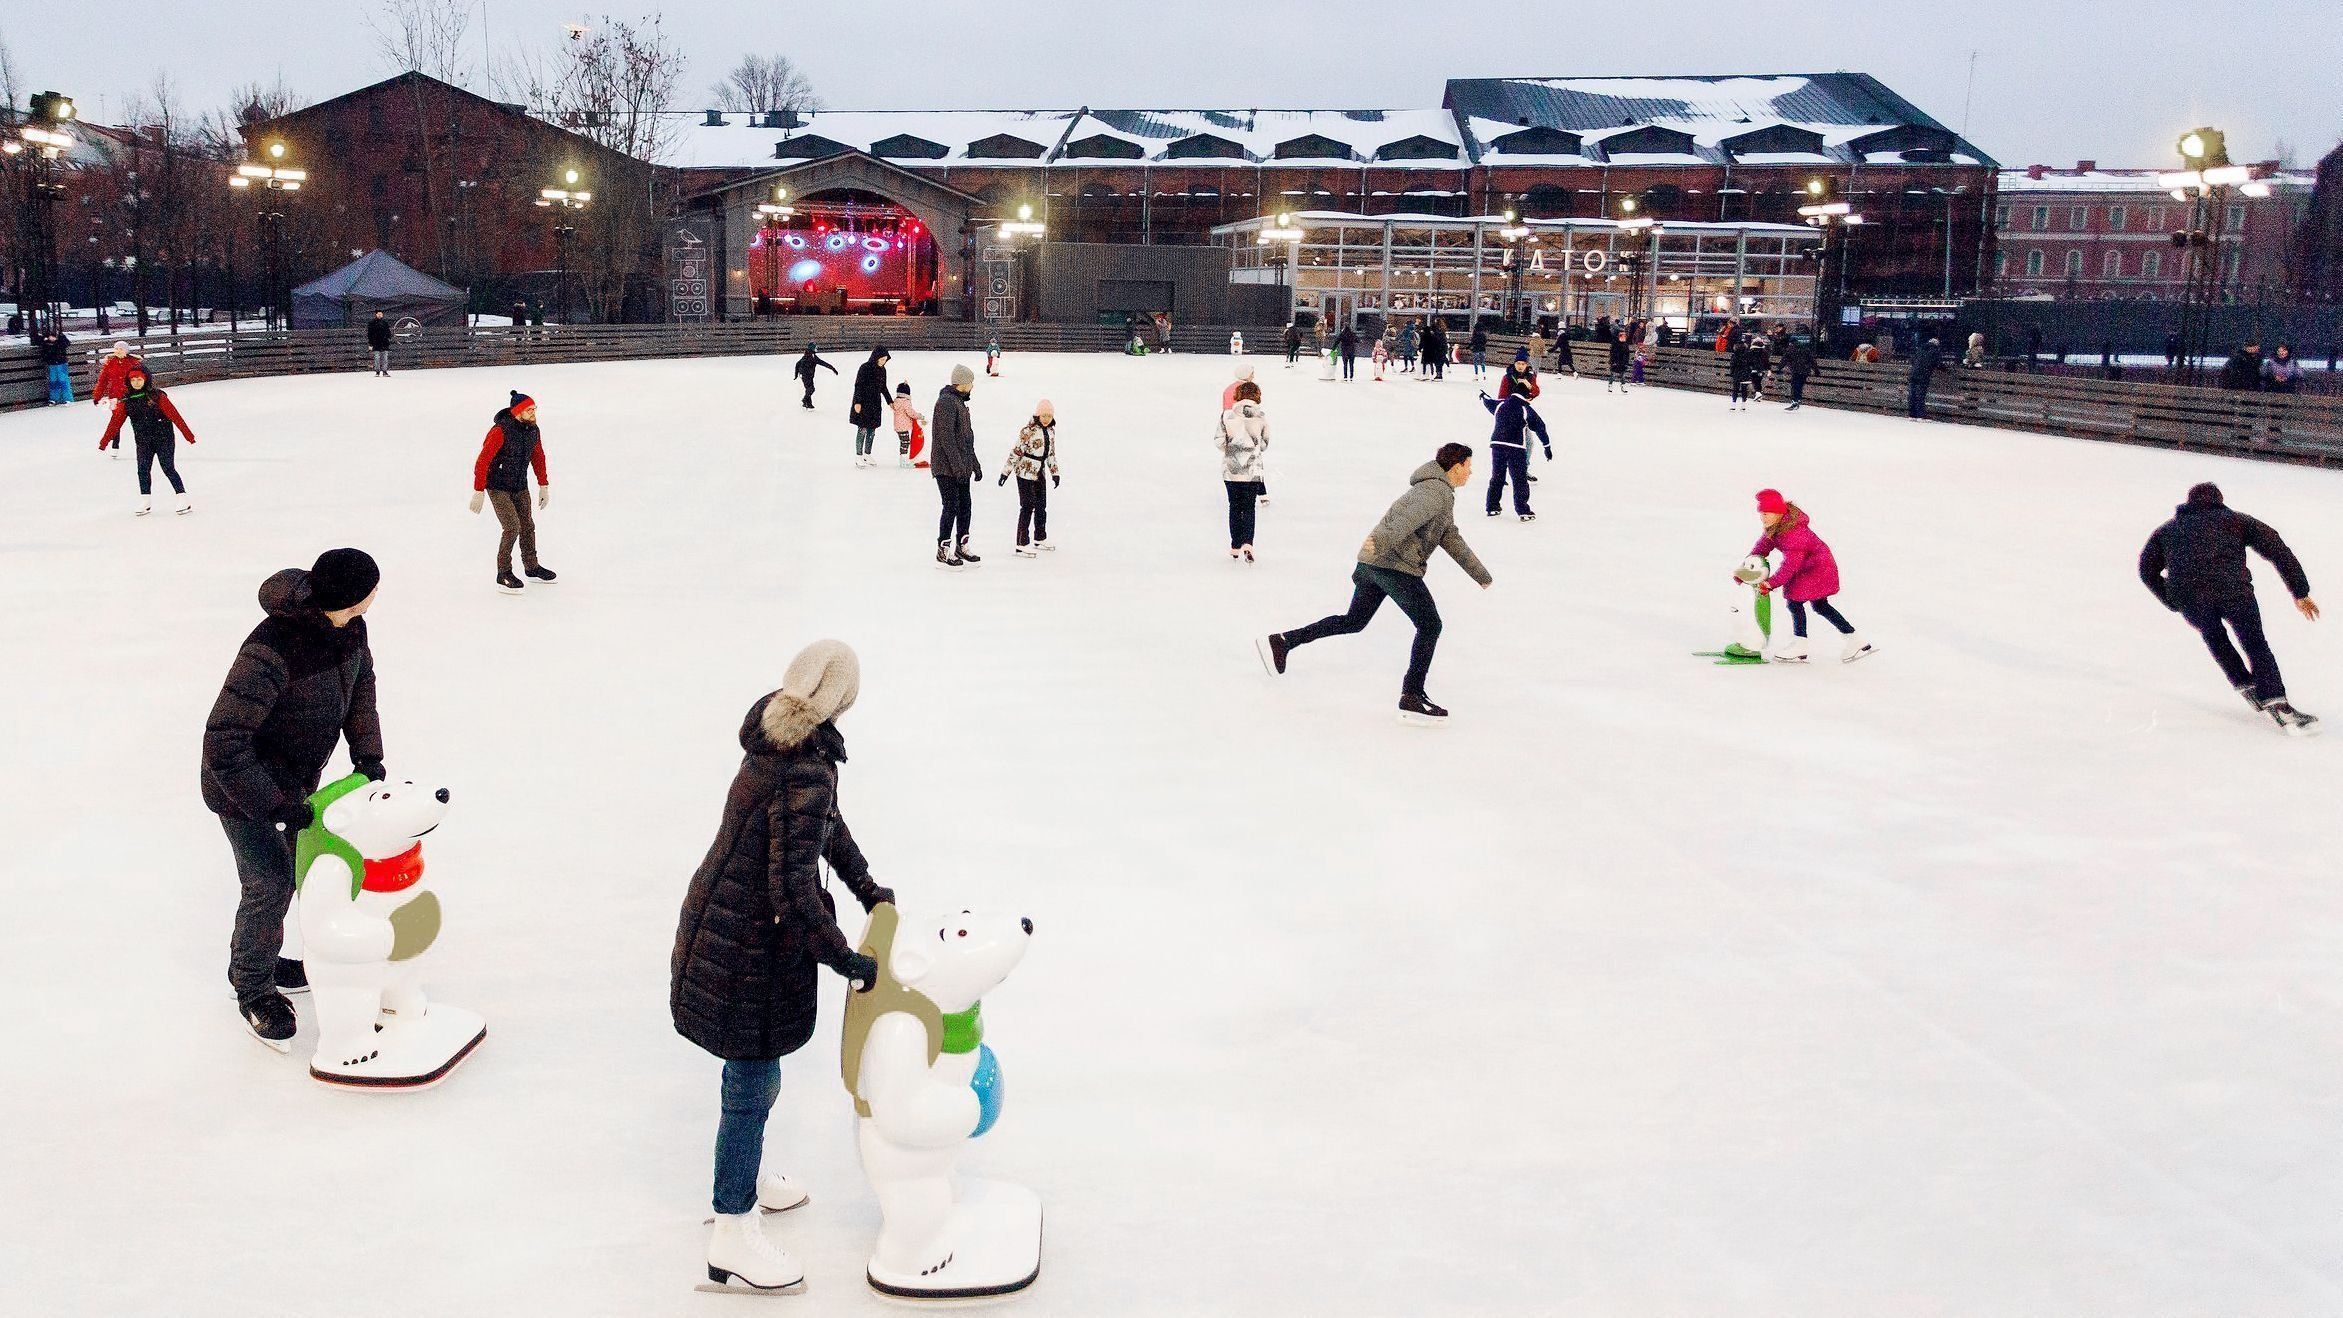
x=2089, y=232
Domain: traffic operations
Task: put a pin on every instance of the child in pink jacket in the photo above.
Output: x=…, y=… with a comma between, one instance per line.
x=905, y=417
x=1809, y=575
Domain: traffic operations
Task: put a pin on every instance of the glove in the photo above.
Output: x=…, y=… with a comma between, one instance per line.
x=860, y=971
x=372, y=769
x=879, y=896
x=1003, y=480
x=544, y=495
x=977, y=475
x=1765, y=588
x=1549, y=453
x=296, y=814
x=1053, y=480
x=478, y=497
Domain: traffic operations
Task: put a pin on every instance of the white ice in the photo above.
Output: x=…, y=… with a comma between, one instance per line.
x=1999, y=973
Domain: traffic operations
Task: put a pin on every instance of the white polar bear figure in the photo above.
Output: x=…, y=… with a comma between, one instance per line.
x=367, y=917
x=924, y=1085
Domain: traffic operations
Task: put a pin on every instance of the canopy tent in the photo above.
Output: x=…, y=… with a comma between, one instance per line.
x=375, y=282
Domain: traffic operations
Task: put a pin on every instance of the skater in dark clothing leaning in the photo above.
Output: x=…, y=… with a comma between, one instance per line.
x=303, y=680
x=2195, y=565
x=756, y=927
x=1925, y=363
x=378, y=341
x=953, y=463
x=1509, y=449
x=152, y=418
x=1799, y=359
x=870, y=405
x=805, y=371
x=511, y=451
x=1391, y=565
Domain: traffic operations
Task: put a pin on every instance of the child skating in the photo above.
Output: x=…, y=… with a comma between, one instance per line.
x=1033, y=456
x=908, y=422
x=151, y=416
x=805, y=371
x=992, y=356
x=1807, y=577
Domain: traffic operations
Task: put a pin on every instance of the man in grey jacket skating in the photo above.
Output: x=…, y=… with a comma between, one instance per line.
x=1391, y=565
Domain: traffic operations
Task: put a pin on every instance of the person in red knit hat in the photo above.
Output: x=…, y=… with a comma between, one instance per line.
x=1807, y=578
x=501, y=477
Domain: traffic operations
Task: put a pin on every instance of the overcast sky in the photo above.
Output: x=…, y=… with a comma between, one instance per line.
x=2056, y=80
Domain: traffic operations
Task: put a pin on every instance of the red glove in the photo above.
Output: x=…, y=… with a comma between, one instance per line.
x=1765, y=588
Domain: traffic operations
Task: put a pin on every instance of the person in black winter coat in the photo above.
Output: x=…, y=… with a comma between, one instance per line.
x=870, y=406
x=1745, y=361
x=805, y=371
x=302, y=681
x=2195, y=565
x=378, y=341
x=757, y=923
x=1480, y=349
x=1616, y=369
x=1347, y=343
x=2243, y=370
x=1925, y=362
x=57, y=356
x=1293, y=342
x=1799, y=359
x=952, y=461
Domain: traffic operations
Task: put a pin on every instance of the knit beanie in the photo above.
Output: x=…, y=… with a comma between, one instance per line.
x=820, y=684
x=342, y=577
x=1043, y=408
x=520, y=400
x=1771, y=501
x=1244, y=373
x=963, y=379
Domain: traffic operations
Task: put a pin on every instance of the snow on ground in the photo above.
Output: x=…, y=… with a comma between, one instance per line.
x=1999, y=973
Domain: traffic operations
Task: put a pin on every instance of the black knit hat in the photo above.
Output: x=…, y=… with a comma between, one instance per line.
x=341, y=578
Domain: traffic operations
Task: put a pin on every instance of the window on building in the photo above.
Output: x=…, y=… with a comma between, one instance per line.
x=2151, y=264
x=2001, y=265
x=2074, y=265
x=2229, y=265
x=2001, y=217
x=2112, y=266
x=2034, y=264
x=2116, y=215
x=2155, y=219
x=2078, y=218
x=2236, y=216
x=2041, y=218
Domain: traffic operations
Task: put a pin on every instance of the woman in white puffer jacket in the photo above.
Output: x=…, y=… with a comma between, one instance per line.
x=1244, y=443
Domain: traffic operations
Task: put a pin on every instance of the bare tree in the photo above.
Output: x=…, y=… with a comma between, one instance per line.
x=424, y=36
x=11, y=82
x=765, y=82
x=258, y=102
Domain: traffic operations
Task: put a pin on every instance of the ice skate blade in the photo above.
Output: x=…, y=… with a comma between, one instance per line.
x=1415, y=720
x=1865, y=653
x=738, y=1287
x=273, y=1045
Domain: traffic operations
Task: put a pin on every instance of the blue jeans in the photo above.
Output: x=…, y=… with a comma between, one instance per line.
x=749, y=1091
x=60, y=384
x=1830, y=615
x=1480, y=361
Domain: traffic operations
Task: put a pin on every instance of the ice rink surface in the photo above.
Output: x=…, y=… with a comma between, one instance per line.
x=2000, y=973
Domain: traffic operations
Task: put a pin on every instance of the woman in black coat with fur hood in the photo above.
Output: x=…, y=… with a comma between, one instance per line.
x=756, y=924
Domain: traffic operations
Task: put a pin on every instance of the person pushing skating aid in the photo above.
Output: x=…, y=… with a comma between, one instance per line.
x=1807, y=578
x=2195, y=565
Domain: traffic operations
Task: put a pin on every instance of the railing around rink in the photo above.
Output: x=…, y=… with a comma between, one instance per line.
x=2304, y=428
x=195, y=356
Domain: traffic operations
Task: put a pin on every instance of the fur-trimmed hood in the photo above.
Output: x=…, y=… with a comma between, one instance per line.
x=780, y=724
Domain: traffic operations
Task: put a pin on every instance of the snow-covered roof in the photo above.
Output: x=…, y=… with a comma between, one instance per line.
x=2017, y=181
x=740, y=142
x=1362, y=134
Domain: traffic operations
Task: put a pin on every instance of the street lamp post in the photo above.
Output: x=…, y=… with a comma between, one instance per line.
x=1015, y=232
x=1833, y=217
x=1283, y=230
x=565, y=202
x=40, y=142
x=269, y=183
x=2206, y=178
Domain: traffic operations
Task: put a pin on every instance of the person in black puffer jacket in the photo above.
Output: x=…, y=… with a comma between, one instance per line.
x=2195, y=565
x=870, y=405
x=303, y=681
x=757, y=921
x=513, y=448
x=378, y=342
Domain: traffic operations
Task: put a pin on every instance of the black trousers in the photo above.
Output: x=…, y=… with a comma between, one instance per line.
x=264, y=869
x=1916, y=399
x=1032, y=509
x=1348, y=363
x=1821, y=606
x=1292, y=350
x=1244, y=499
x=1743, y=389
x=1505, y=460
x=809, y=391
x=1797, y=387
x=1370, y=586
x=152, y=454
x=953, y=523
x=2258, y=669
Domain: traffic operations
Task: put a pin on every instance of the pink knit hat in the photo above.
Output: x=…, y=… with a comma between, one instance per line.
x=1771, y=501
x=1043, y=406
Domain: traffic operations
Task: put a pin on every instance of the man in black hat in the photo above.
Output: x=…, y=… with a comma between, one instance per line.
x=303, y=680
x=2195, y=565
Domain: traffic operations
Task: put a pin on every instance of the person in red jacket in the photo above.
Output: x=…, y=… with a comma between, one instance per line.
x=501, y=476
x=1807, y=578
x=151, y=416
x=113, y=375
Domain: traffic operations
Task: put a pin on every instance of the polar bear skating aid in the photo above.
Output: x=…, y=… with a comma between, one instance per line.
x=924, y=1084
x=367, y=917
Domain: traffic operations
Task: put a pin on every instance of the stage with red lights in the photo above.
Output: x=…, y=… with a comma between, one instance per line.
x=843, y=252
